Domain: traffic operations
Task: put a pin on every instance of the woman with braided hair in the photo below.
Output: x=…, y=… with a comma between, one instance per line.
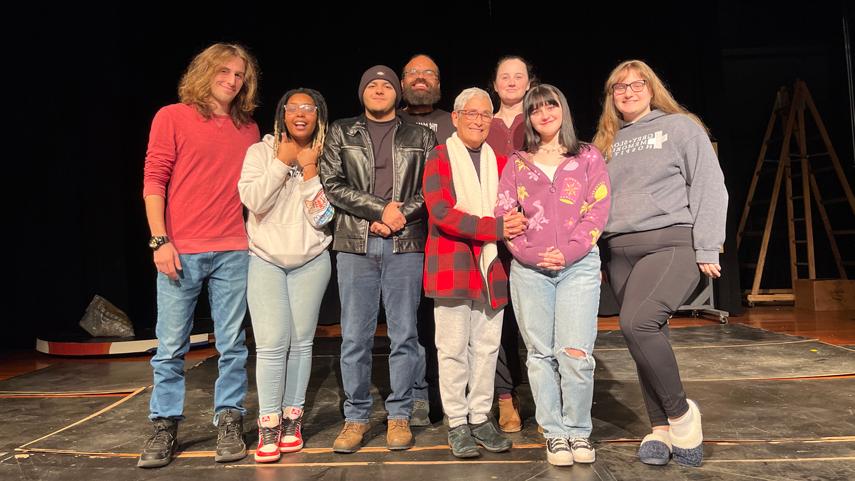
x=289, y=265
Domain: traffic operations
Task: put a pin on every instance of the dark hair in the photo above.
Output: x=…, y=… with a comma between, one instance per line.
x=529, y=68
x=545, y=94
x=279, y=128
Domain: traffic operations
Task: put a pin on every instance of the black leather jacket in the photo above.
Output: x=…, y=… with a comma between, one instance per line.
x=346, y=169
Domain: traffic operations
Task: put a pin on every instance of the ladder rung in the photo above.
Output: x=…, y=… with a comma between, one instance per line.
x=770, y=161
x=822, y=170
x=801, y=242
x=843, y=232
x=798, y=219
x=801, y=263
x=797, y=197
x=798, y=156
x=834, y=200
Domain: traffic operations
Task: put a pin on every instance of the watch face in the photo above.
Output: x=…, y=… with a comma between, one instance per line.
x=156, y=241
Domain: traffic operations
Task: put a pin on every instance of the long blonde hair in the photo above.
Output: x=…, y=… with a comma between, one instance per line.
x=195, y=86
x=661, y=99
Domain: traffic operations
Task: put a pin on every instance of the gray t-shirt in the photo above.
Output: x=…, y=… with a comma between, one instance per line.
x=475, y=155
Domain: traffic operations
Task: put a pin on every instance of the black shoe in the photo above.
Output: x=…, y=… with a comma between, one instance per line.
x=487, y=435
x=230, y=443
x=462, y=443
x=160, y=447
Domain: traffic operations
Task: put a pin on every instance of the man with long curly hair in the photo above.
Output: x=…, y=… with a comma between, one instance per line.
x=192, y=166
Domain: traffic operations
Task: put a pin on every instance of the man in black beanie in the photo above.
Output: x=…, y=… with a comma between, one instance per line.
x=371, y=169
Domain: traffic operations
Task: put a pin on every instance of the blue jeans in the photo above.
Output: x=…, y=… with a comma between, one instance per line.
x=557, y=311
x=362, y=279
x=284, y=306
x=176, y=302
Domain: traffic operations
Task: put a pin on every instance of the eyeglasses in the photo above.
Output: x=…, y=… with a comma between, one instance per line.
x=636, y=86
x=427, y=73
x=305, y=108
x=472, y=115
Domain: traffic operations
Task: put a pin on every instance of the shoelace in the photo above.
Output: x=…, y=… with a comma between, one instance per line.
x=292, y=426
x=557, y=444
x=581, y=443
x=160, y=436
x=397, y=426
x=349, y=427
x=269, y=435
x=230, y=429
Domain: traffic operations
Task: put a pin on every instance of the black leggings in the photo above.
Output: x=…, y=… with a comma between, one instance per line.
x=652, y=274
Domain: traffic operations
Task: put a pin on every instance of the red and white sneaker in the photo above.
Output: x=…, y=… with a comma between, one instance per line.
x=269, y=436
x=292, y=426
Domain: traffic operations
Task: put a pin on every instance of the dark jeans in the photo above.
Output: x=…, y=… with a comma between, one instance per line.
x=362, y=279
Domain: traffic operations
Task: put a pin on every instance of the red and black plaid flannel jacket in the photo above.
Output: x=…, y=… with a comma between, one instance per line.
x=455, y=240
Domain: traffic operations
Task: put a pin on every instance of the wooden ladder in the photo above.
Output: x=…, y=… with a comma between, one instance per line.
x=789, y=114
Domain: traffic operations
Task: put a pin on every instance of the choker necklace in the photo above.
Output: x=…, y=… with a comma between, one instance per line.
x=548, y=149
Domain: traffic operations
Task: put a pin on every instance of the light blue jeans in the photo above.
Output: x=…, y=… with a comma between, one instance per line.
x=362, y=279
x=176, y=302
x=557, y=311
x=284, y=306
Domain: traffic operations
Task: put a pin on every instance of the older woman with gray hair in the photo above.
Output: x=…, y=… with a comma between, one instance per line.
x=464, y=274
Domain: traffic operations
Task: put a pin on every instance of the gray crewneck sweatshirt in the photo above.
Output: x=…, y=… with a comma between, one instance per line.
x=664, y=172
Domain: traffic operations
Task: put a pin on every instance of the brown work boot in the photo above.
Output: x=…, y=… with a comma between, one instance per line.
x=351, y=437
x=509, y=415
x=398, y=435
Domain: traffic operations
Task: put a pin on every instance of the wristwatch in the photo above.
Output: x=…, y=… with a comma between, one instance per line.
x=156, y=241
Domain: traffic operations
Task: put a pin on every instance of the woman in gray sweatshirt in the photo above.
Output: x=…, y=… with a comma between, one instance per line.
x=667, y=223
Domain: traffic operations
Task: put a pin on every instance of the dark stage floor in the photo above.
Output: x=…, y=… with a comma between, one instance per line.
x=775, y=407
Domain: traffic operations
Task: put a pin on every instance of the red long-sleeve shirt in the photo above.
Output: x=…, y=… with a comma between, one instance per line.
x=195, y=165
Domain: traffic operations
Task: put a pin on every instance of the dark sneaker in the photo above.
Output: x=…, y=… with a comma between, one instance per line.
x=230, y=443
x=487, y=435
x=558, y=452
x=462, y=443
x=421, y=413
x=160, y=447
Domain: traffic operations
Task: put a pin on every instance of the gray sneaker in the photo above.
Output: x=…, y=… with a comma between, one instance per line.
x=421, y=413
x=462, y=443
x=487, y=435
x=230, y=443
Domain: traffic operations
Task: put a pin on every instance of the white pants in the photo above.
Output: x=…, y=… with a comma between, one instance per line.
x=468, y=334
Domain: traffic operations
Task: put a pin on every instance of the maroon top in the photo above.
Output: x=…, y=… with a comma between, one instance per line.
x=505, y=140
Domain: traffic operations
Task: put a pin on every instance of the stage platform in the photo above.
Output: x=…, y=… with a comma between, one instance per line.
x=774, y=407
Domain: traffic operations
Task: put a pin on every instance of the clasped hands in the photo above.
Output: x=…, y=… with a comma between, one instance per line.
x=390, y=222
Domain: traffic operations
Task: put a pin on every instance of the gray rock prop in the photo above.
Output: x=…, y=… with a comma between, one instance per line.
x=103, y=319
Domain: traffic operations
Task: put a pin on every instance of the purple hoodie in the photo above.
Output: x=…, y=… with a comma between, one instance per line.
x=568, y=212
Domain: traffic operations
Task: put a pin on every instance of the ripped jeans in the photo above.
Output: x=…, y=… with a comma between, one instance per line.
x=557, y=315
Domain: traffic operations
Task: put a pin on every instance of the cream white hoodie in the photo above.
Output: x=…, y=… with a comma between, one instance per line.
x=287, y=216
